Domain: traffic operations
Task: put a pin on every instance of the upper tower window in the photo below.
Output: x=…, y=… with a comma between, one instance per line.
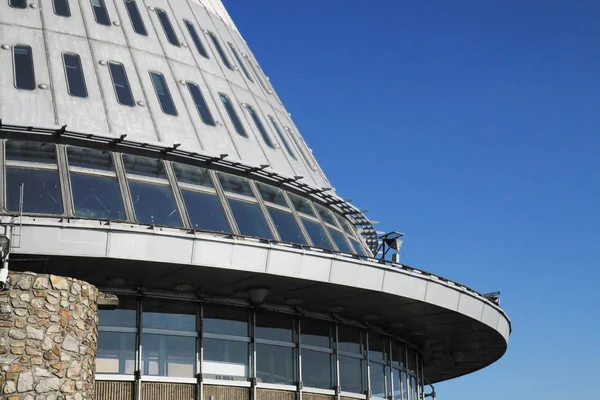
x=235, y=119
x=100, y=12
x=283, y=139
x=75, y=78
x=24, y=71
x=17, y=3
x=239, y=60
x=121, y=84
x=135, y=17
x=167, y=27
x=195, y=38
x=220, y=50
x=260, y=127
x=163, y=93
x=200, y=103
x=61, y=8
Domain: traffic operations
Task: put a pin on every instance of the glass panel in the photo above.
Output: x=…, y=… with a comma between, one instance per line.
x=121, y=84
x=75, y=79
x=123, y=317
x=377, y=347
x=200, y=103
x=97, y=197
x=237, y=57
x=350, y=339
x=250, y=219
x=302, y=205
x=315, y=333
x=164, y=355
x=286, y=225
x=100, y=12
x=414, y=388
x=397, y=383
x=31, y=152
x=136, y=19
x=41, y=192
x=260, y=127
x=239, y=128
x=116, y=353
x=144, y=166
x=271, y=194
x=351, y=375
x=193, y=175
x=225, y=320
x=340, y=241
x=61, y=8
x=317, y=369
x=163, y=93
x=154, y=204
x=344, y=224
x=220, y=50
x=24, y=70
x=170, y=315
x=17, y=3
x=398, y=354
x=225, y=359
x=235, y=184
x=378, y=380
x=275, y=364
x=167, y=27
x=411, y=361
x=195, y=38
x=205, y=211
x=274, y=326
x=317, y=234
x=90, y=158
x=404, y=386
x=326, y=215
x=358, y=249
x=283, y=139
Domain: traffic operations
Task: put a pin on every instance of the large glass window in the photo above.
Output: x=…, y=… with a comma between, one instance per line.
x=23, y=68
x=200, y=103
x=152, y=197
x=163, y=93
x=261, y=128
x=75, y=78
x=282, y=217
x=316, y=343
x=100, y=12
x=220, y=50
x=196, y=38
x=167, y=27
x=96, y=191
x=201, y=200
x=136, y=19
x=338, y=237
x=61, y=8
x=311, y=223
x=239, y=60
x=275, y=348
x=351, y=355
x=117, y=339
x=121, y=84
x=233, y=116
x=287, y=146
x=32, y=165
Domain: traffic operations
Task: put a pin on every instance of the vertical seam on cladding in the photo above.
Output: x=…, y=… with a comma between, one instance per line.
x=48, y=64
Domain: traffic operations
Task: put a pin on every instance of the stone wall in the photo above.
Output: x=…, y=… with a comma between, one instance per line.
x=48, y=338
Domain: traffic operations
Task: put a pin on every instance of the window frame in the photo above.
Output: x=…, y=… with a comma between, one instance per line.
x=14, y=65
x=198, y=43
x=137, y=10
x=167, y=27
x=286, y=144
x=232, y=112
x=161, y=76
x=240, y=62
x=217, y=44
x=260, y=126
x=81, y=72
x=189, y=84
x=114, y=85
x=68, y=8
x=102, y=6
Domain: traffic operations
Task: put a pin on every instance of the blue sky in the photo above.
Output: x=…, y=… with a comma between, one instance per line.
x=473, y=127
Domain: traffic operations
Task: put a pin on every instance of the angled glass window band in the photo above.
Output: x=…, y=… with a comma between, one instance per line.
x=17, y=3
x=250, y=219
x=317, y=234
x=100, y=12
x=167, y=27
x=340, y=241
x=260, y=127
x=136, y=18
x=220, y=50
x=61, y=8
x=200, y=103
x=239, y=60
x=24, y=72
x=282, y=137
x=196, y=39
x=163, y=93
x=271, y=194
x=236, y=185
x=75, y=78
x=37, y=171
x=233, y=116
x=302, y=205
x=286, y=225
x=121, y=84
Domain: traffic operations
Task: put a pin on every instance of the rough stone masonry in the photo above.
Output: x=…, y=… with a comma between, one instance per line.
x=48, y=338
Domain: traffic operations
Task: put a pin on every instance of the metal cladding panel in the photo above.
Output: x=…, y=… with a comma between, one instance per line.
x=503, y=327
x=107, y=33
x=490, y=316
x=358, y=275
x=202, y=22
x=213, y=254
x=49, y=240
x=249, y=258
x=404, y=285
x=439, y=294
x=134, y=121
x=29, y=17
x=72, y=25
x=150, y=248
x=235, y=75
x=28, y=107
x=294, y=265
x=80, y=114
x=171, y=129
x=470, y=306
x=135, y=40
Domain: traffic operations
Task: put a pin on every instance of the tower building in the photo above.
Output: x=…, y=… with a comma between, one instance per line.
x=145, y=153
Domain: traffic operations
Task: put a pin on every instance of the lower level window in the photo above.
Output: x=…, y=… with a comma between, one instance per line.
x=275, y=364
x=116, y=353
x=225, y=359
x=165, y=355
x=41, y=190
x=352, y=375
x=378, y=381
x=317, y=369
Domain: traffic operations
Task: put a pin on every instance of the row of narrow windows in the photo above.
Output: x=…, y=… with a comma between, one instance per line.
x=24, y=78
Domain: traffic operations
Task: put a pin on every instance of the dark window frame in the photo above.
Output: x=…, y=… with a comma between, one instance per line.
x=286, y=144
x=136, y=9
x=167, y=95
x=21, y=5
x=260, y=126
x=84, y=84
x=239, y=60
x=102, y=7
x=110, y=64
x=167, y=26
x=67, y=8
x=211, y=120
x=220, y=50
x=17, y=71
x=193, y=32
x=233, y=115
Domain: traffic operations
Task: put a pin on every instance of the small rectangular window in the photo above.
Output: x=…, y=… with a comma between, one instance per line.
x=260, y=127
x=299, y=145
x=121, y=84
x=220, y=50
x=239, y=60
x=163, y=93
x=260, y=80
x=100, y=12
x=201, y=105
x=282, y=137
x=197, y=42
x=135, y=17
x=233, y=115
x=167, y=27
x=75, y=77
x=61, y=8
x=24, y=71
x=17, y=3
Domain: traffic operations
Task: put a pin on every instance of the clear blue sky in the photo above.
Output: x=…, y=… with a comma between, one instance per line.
x=473, y=127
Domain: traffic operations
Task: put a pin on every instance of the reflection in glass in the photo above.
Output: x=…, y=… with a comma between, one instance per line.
x=340, y=241
x=100, y=12
x=116, y=353
x=195, y=38
x=167, y=27
x=317, y=369
x=271, y=194
x=358, y=249
x=378, y=379
x=224, y=359
x=274, y=326
x=317, y=234
x=30, y=151
x=169, y=315
x=316, y=333
x=225, y=321
x=235, y=184
x=205, y=211
x=154, y=204
x=136, y=18
x=162, y=92
x=75, y=78
x=275, y=364
x=286, y=225
x=41, y=192
x=349, y=339
x=90, y=158
x=397, y=383
x=122, y=318
x=121, y=84
x=326, y=215
x=302, y=205
x=24, y=70
x=200, y=103
x=351, y=375
x=164, y=355
x=61, y=8
x=404, y=386
x=250, y=219
x=377, y=347
x=97, y=197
